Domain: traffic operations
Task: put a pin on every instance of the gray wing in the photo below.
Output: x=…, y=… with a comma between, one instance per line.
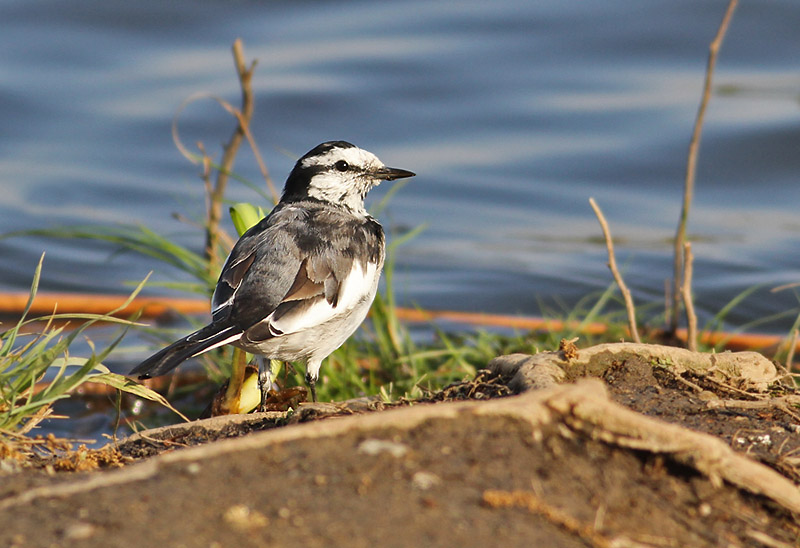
x=284, y=262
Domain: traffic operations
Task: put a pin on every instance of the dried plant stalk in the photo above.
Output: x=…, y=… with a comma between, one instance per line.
x=612, y=264
x=230, y=150
x=691, y=165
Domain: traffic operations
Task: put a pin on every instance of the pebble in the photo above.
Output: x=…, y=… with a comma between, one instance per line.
x=425, y=480
x=376, y=446
x=79, y=531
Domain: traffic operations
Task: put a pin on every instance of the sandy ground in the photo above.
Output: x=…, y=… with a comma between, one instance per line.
x=647, y=452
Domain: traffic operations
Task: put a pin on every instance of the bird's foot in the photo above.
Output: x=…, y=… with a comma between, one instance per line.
x=312, y=387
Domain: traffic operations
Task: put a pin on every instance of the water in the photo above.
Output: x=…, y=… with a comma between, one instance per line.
x=513, y=113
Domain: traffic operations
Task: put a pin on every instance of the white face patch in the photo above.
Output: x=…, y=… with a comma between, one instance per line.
x=343, y=187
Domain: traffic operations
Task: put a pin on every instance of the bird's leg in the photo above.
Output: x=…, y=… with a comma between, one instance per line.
x=312, y=386
x=264, y=379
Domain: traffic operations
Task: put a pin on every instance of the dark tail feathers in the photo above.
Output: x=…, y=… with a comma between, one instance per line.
x=169, y=358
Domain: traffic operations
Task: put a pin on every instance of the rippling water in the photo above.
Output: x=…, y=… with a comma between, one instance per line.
x=513, y=113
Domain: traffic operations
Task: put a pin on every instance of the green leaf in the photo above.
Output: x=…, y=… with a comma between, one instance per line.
x=245, y=216
x=131, y=387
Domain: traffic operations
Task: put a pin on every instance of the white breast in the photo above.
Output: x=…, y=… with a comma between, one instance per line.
x=357, y=287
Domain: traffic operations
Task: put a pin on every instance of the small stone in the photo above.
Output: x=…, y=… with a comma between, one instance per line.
x=707, y=395
x=425, y=480
x=763, y=439
x=242, y=517
x=79, y=531
x=193, y=468
x=376, y=446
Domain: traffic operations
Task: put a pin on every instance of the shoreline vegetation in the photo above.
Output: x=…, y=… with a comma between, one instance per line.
x=384, y=359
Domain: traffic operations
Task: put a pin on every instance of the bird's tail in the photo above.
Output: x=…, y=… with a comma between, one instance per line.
x=202, y=340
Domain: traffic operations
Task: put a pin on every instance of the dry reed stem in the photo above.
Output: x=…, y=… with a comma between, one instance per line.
x=229, y=154
x=612, y=264
x=257, y=153
x=784, y=286
x=691, y=165
x=686, y=291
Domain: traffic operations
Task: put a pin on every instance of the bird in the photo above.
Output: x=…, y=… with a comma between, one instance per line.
x=297, y=284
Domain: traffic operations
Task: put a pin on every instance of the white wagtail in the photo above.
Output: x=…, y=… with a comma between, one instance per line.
x=298, y=284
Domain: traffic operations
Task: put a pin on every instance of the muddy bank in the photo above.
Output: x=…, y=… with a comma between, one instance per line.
x=654, y=450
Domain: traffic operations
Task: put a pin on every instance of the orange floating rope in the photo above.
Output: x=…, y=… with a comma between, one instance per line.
x=12, y=304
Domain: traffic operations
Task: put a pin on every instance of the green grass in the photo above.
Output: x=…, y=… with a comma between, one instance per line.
x=37, y=368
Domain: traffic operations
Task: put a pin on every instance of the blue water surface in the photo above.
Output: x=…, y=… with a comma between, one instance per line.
x=513, y=113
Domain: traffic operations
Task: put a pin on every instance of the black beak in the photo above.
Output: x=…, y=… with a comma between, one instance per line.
x=392, y=173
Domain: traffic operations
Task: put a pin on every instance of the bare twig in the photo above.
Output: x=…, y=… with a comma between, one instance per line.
x=229, y=153
x=612, y=264
x=757, y=395
x=686, y=291
x=686, y=382
x=766, y=540
x=785, y=286
x=230, y=109
x=494, y=498
x=244, y=124
x=691, y=165
x=782, y=404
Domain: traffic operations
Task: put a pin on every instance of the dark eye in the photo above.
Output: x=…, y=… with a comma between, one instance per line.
x=341, y=165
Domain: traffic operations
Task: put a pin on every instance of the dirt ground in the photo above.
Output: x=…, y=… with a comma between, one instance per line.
x=659, y=449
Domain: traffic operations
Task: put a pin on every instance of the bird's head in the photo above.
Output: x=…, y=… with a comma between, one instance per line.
x=340, y=173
